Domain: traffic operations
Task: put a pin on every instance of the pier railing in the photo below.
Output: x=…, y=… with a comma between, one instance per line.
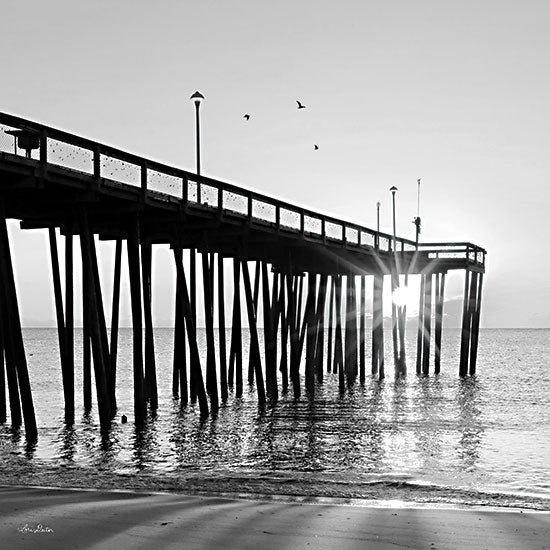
x=160, y=182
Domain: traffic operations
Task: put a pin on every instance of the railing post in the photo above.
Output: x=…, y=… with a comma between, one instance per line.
x=220, y=201
x=302, y=223
x=249, y=213
x=323, y=230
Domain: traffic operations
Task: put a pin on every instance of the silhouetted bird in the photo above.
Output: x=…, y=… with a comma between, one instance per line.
x=300, y=106
x=315, y=146
x=246, y=116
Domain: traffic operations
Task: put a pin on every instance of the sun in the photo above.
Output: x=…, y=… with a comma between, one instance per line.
x=403, y=296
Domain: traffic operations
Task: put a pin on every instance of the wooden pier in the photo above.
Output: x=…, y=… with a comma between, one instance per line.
x=302, y=266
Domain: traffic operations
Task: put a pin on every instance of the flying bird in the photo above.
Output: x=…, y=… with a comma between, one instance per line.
x=300, y=106
x=315, y=147
x=247, y=116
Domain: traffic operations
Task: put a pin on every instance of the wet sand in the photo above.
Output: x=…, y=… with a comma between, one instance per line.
x=77, y=519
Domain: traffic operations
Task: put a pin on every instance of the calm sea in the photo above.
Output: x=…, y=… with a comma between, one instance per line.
x=435, y=439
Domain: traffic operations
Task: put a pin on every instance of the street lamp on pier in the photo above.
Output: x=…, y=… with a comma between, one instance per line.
x=197, y=98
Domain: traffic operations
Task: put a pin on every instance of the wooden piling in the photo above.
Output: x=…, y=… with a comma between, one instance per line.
x=394, y=326
x=3, y=410
x=254, y=342
x=193, y=304
x=294, y=336
x=221, y=330
x=330, y=318
x=466, y=319
x=195, y=374
x=150, y=386
x=310, y=324
x=350, y=357
x=236, y=352
x=427, y=324
x=115, y=311
x=179, y=378
x=362, y=329
x=440, y=297
x=12, y=322
x=86, y=343
x=320, y=314
x=211, y=375
x=420, y=332
x=66, y=374
x=475, y=325
x=378, y=326
x=69, y=318
x=87, y=247
x=255, y=296
x=338, y=348
x=270, y=332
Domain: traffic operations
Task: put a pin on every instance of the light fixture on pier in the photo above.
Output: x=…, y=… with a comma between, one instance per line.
x=393, y=190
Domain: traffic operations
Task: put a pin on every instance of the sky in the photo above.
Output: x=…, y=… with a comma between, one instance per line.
x=454, y=93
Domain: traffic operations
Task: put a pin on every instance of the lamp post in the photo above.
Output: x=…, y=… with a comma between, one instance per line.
x=393, y=191
x=197, y=98
x=377, y=224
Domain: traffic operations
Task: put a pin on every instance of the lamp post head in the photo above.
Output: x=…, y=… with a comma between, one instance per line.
x=393, y=189
x=378, y=204
x=197, y=97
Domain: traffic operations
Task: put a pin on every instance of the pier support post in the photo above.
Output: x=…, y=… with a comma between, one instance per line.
x=135, y=294
x=420, y=333
x=310, y=325
x=69, y=318
x=151, y=392
x=439, y=300
x=320, y=313
x=256, y=294
x=86, y=343
x=179, y=377
x=470, y=290
x=211, y=376
x=475, y=325
x=284, y=312
x=236, y=349
x=378, y=326
x=13, y=336
x=330, y=342
x=193, y=304
x=89, y=267
x=294, y=335
x=338, y=348
x=350, y=361
x=362, y=329
x=427, y=324
x=195, y=377
x=254, y=342
x=66, y=374
x=115, y=309
x=221, y=330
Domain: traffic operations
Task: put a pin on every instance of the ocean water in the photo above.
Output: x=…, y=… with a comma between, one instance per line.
x=435, y=439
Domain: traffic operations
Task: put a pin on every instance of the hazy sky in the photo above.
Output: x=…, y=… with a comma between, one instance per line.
x=455, y=93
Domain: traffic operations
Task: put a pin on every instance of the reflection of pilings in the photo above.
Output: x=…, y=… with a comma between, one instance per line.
x=330, y=317
x=179, y=378
x=195, y=374
x=236, y=348
x=350, y=362
x=378, y=326
x=66, y=374
x=320, y=319
x=254, y=343
x=221, y=329
x=151, y=392
x=137, y=335
x=87, y=247
x=439, y=299
x=310, y=326
x=427, y=324
x=362, y=328
x=211, y=377
x=420, y=335
x=113, y=349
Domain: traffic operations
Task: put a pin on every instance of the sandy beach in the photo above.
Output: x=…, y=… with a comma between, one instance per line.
x=77, y=519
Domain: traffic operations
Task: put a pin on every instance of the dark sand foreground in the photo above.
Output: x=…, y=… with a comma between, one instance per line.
x=77, y=519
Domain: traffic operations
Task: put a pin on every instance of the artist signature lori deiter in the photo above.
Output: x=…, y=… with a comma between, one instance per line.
x=38, y=528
